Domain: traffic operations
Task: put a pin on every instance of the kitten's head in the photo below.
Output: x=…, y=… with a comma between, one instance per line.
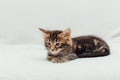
x=57, y=41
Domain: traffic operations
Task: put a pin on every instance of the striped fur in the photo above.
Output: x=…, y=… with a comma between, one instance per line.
x=62, y=48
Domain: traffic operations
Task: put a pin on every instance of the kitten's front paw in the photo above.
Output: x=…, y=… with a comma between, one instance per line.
x=56, y=60
x=49, y=58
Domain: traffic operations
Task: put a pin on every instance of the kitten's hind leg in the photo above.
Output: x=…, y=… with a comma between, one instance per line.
x=103, y=50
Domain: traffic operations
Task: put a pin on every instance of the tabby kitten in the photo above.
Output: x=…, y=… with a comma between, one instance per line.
x=62, y=48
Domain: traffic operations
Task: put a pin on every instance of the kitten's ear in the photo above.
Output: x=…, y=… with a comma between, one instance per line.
x=66, y=33
x=45, y=32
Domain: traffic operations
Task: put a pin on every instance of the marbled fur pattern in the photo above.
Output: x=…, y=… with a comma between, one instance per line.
x=62, y=48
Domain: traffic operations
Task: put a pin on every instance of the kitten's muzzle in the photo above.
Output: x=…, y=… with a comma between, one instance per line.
x=52, y=49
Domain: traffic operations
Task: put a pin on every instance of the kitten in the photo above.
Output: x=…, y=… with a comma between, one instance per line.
x=62, y=48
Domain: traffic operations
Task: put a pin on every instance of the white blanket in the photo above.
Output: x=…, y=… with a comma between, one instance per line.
x=22, y=53
x=28, y=62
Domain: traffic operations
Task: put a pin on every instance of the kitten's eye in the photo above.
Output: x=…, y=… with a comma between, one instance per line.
x=58, y=44
x=48, y=44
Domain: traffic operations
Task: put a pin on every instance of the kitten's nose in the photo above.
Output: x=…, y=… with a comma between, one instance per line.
x=52, y=49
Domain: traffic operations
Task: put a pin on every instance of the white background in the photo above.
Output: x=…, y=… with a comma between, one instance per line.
x=20, y=19
x=22, y=53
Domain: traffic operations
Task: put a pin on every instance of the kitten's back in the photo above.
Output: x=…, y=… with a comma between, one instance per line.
x=90, y=46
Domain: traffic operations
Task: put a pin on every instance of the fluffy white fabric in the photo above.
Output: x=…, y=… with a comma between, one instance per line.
x=28, y=62
x=22, y=52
